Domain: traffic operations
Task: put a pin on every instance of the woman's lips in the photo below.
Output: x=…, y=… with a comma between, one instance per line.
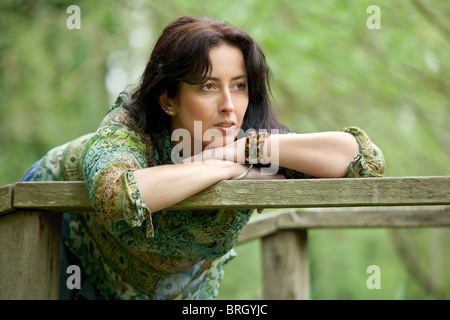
x=226, y=129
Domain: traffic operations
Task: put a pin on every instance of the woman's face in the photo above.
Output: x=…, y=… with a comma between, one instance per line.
x=217, y=106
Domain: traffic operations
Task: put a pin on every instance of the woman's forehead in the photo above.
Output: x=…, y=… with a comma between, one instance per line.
x=227, y=61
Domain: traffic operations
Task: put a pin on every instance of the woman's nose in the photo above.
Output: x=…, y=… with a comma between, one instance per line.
x=226, y=104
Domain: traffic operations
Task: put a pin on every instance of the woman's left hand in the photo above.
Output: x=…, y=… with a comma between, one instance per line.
x=234, y=152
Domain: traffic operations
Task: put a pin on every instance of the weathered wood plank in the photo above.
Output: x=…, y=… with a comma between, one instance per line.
x=376, y=217
x=322, y=193
x=286, y=266
x=261, y=226
x=29, y=255
x=398, y=191
x=60, y=196
x=6, y=199
x=327, y=193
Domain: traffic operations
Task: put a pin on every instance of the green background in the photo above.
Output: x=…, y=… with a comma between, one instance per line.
x=329, y=71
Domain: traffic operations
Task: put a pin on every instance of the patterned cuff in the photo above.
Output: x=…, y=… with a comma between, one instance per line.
x=369, y=162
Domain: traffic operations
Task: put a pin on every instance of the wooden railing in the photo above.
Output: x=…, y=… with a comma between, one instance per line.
x=30, y=223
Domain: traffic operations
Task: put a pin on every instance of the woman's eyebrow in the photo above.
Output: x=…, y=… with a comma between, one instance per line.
x=233, y=79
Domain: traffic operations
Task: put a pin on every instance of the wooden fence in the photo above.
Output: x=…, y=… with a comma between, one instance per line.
x=30, y=223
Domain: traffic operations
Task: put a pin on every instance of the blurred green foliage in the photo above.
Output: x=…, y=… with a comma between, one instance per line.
x=330, y=71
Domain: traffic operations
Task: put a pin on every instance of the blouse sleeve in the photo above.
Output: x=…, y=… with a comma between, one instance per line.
x=115, y=151
x=369, y=162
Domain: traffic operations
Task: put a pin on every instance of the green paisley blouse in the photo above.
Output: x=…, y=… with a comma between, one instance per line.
x=130, y=252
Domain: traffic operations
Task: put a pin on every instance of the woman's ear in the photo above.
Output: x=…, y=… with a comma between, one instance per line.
x=167, y=104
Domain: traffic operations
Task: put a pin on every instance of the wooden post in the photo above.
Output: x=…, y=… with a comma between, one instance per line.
x=29, y=255
x=286, y=265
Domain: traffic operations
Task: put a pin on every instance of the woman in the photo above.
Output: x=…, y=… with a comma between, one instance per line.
x=208, y=83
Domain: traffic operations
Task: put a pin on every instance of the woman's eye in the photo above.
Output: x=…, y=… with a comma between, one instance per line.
x=240, y=86
x=208, y=87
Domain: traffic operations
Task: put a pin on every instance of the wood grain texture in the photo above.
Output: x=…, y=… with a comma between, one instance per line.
x=368, y=217
x=286, y=266
x=308, y=193
x=6, y=199
x=29, y=255
x=60, y=196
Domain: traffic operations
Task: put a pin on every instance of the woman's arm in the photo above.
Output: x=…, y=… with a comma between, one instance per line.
x=165, y=185
x=321, y=155
x=346, y=153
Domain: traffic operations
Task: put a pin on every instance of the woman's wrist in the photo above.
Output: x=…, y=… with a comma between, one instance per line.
x=252, y=149
x=243, y=175
x=226, y=170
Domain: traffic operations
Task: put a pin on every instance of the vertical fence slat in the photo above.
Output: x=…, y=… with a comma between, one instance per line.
x=30, y=254
x=286, y=266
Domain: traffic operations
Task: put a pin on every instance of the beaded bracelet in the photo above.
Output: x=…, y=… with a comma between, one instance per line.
x=254, y=145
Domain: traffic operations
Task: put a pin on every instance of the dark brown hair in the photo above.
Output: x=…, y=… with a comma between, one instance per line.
x=182, y=54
